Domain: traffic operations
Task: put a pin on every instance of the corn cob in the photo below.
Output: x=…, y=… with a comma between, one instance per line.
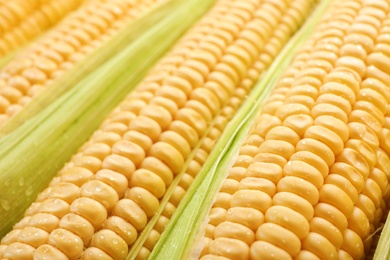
x=21, y=20
x=119, y=148
x=180, y=235
x=315, y=184
x=70, y=42
x=277, y=40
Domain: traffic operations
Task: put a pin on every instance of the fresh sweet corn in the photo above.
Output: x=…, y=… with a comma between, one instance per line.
x=22, y=20
x=113, y=185
x=71, y=41
x=311, y=180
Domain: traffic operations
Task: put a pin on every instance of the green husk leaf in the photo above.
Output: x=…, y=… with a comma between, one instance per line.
x=382, y=251
x=185, y=227
x=33, y=153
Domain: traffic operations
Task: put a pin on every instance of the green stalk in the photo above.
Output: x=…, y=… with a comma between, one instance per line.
x=32, y=154
x=74, y=75
x=185, y=227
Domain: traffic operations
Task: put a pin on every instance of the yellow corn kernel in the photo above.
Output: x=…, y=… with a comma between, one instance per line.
x=286, y=217
x=326, y=229
x=18, y=251
x=266, y=250
x=130, y=211
x=111, y=243
x=66, y=241
x=271, y=233
x=95, y=253
x=49, y=251
x=77, y=225
x=229, y=248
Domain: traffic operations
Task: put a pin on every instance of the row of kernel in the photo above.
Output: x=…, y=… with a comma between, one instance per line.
x=367, y=209
x=337, y=177
x=340, y=99
x=375, y=110
x=240, y=187
x=377, y=76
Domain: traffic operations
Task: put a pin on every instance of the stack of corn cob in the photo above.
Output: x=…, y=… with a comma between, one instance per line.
x=307, y=178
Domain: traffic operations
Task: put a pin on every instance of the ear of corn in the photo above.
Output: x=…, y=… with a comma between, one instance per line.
x=88, y=102
x=182, y=232
x=314, y=180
